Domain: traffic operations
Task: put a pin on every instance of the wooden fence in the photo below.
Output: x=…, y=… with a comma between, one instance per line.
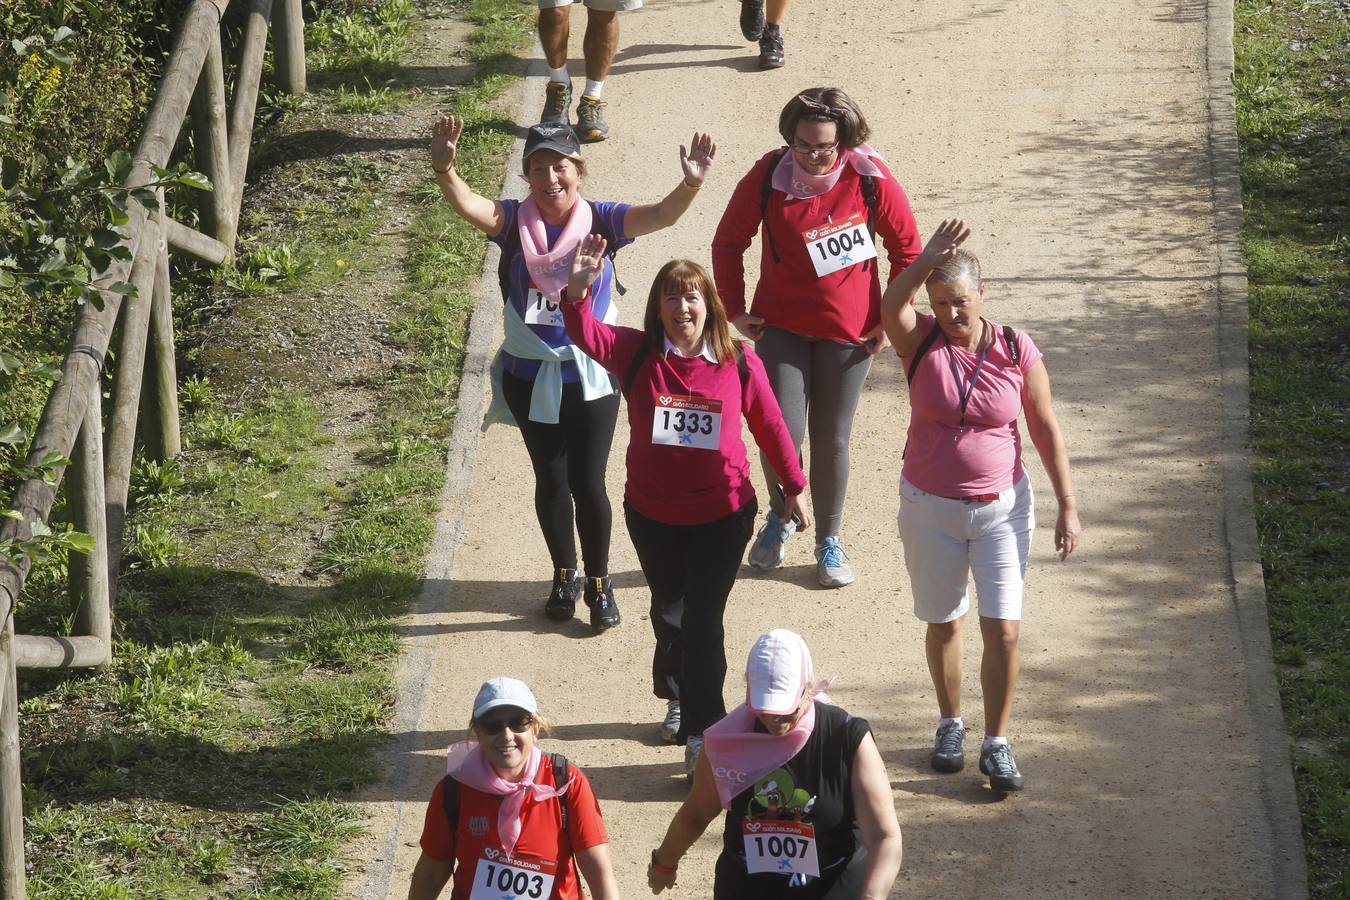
x=72, y=420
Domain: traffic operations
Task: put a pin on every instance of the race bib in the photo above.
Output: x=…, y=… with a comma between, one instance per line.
x=785, y=848
x=682, y=421
x=839, y=245
x=541, y=311
x=499, y=877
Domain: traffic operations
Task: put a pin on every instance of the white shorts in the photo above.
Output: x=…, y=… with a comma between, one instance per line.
x=601, y=5
x=946, y=541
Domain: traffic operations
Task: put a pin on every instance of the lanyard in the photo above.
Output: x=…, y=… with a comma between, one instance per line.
x=969, y=387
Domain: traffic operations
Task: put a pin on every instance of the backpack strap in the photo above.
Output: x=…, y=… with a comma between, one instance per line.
x=924, y=346
x=450, y=801
x=742, y=367
x=634, y=367
x=766, y=191
x=1010, y=338
x=560, y=765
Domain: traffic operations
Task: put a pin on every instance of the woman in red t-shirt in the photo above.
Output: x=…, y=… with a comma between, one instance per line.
x=503, y=822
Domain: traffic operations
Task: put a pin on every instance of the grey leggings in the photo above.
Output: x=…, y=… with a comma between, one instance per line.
x=817, y=383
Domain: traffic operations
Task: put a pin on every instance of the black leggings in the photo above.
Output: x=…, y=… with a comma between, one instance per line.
x=690, y=570
x=569, y=462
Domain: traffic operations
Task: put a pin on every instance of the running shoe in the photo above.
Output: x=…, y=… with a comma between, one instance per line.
x=752, y=19
x=949, y=748
x=832, y=568
x=771, y=48
x=600, y=598
x=562, y=600
x=591, y=125
x=771, y=543
x=670, y=726
x=693, y=746
x=557, y=103
x=996, y=761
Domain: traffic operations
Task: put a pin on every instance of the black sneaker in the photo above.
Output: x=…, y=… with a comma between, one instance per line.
x=600, y=598
x=562, y=600
x=591, y=126
x=557, y=103
x=771, y=48
x=752, y=19
x=949, y=748
x=997, y=762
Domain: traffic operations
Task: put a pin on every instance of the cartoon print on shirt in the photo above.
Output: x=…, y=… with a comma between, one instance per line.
x=776, y=796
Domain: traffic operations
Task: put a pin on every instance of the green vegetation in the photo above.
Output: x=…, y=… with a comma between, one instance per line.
x=1293, y=92
x=266, y=567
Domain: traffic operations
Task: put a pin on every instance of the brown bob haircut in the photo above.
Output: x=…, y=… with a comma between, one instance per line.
x=825, y=104
x=682, y=275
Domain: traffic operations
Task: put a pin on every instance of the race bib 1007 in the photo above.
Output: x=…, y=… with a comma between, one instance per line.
x=499, y=877
x=683, y=421
x=839, y=245
x=785, y=848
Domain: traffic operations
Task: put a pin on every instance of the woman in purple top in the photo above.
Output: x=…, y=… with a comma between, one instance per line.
x=965, y=501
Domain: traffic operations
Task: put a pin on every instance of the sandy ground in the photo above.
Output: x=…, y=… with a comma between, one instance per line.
x=1074, y=138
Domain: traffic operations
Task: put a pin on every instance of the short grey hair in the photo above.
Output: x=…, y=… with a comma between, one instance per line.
x=962, y=266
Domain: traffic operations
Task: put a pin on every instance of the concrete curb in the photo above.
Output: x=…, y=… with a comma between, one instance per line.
x=1289, y=863
x=460, y=458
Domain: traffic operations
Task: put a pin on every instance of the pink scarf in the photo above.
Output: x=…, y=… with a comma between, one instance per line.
x=790, y=178
x=550, y=267
x=741, y=756
x=468, y=765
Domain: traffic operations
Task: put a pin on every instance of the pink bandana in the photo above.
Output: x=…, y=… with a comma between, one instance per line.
x=793, y=180
x=468, y=765
x=550, y=267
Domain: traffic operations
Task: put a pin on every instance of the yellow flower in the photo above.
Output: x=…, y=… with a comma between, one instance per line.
x=53, y=78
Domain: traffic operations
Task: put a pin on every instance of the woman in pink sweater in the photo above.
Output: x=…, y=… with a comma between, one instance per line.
x=688, y=500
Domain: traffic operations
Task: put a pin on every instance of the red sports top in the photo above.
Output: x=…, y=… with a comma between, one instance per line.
x=841, y=306
x=541, y=835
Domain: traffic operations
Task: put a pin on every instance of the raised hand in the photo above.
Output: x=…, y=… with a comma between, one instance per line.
x=698, y=160
x=587, y=263
x=445, y=134
x=952, y=233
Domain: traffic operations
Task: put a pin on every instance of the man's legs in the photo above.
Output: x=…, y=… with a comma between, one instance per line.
x=555, y=27
x=599, y=45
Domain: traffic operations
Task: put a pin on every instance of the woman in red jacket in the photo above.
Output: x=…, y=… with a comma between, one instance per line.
x=688, y=500
x=819, y=204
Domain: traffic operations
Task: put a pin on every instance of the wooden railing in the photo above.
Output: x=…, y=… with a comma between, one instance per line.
x=99, y=473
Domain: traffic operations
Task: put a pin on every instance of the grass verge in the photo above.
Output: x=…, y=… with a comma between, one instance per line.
x=267, y=566
x=1292, y=86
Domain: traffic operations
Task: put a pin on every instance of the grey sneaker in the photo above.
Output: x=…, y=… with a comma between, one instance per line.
x=949, y=748
x=771, y=48
x=591, y=125
x=752, y=19
x=670, y=727
x=832, y=568
x=557, y=103
x=693, y=746
x=997, y=763
x=771, y=543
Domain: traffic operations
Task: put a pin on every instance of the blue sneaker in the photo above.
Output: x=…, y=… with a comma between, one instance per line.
x=771, y=543
x=832, y=568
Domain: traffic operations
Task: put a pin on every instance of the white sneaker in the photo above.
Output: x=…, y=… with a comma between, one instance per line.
x=832, y=568
x=670, y=727
x=693, y=746
x=770, y=544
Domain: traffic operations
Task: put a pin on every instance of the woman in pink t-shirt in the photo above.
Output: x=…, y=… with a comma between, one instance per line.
x=966, y=506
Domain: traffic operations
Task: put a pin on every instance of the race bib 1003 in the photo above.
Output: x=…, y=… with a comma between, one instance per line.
x=839, y=245
x=682, y=421
x=541, y=311
x=786, y=848
x=499, y=877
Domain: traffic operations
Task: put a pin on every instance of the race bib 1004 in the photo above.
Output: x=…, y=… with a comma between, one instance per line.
x=499, y=877
x=839, y=245
x=540, y=310
x=682, y=421
x=786, y=848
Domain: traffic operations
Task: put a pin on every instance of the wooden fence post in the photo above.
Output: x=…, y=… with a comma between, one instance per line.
x=247, y=77
x=211, y=143
x=88, y=511
x=13, y=880
x=288, y=47
x=166, y=434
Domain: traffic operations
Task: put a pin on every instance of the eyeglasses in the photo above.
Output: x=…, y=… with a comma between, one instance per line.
x=518, y=724
x=814, y=152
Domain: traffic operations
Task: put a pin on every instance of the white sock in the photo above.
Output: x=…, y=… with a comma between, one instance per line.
x=947, y=720
x=593, y=88
x=560, y=74
x=991, y=741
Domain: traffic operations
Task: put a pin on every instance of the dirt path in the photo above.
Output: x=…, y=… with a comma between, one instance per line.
x=1075, y=138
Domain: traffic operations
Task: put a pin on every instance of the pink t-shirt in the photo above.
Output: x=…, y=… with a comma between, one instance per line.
x=984, y=456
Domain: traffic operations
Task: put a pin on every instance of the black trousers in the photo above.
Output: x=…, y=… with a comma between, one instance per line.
x=569, y=462
x=690, y=570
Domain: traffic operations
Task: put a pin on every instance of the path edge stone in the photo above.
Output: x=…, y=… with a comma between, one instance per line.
x=1288, y=859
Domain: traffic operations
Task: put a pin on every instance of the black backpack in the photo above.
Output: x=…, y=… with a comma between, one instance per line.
x=450, y=793
x=511, y=249
x=641, y=357
x=871, y=199
x=929, y=339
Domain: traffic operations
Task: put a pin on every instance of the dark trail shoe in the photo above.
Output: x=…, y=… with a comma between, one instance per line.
x=562, y=600
x=600, y=598
x=557, y=103
x=752, y=19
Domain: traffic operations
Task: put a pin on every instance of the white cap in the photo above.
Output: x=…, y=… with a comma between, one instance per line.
x=777, y=673
x=502, y=691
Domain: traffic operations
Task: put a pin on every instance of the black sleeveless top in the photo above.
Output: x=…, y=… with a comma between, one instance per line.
x=815, y=786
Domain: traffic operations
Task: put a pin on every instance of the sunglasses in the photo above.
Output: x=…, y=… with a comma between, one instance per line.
x=518, y=724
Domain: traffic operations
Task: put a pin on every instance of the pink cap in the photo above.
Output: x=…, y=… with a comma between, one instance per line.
x=778, y=673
